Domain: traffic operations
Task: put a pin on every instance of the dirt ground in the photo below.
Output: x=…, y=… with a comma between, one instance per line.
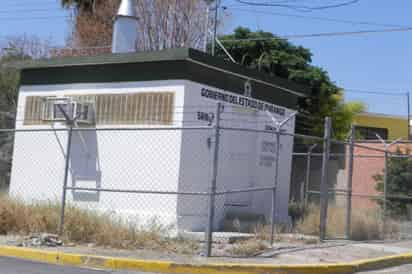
x=280, y=253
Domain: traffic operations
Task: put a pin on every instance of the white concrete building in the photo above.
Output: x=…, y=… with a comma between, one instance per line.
x=167, y=89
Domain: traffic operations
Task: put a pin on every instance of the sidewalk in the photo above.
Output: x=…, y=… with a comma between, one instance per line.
x=326, y=258
x=281, y=253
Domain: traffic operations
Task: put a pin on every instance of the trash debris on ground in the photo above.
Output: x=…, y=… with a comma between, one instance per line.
x=41, y=239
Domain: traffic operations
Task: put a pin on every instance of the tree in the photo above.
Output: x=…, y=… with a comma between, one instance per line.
x=86, y=5
x=399, y=182
x=162, y=23
x=91, y=22
x=15, y=50
x=281, y=58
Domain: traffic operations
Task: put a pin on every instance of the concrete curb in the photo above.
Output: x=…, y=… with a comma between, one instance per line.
x=81, y=260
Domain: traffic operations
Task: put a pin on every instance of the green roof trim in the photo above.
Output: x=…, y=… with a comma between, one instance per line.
x=170, y=64
x=117, y=58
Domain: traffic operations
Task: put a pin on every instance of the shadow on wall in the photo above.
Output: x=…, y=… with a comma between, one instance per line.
x=85, y=166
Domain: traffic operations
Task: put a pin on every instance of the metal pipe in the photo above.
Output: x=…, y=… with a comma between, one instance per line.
x=225, y=51
x=356, y=155
x=251, y=189
x=358, y=145
x=206, y=28
x=137, y=191
x=66, y=177
x=380, y=197
x=215, y=28
x=385, y=175
x=307, y=176
x=254, y=189
x=271, y=132
x=408, y=95
x=242, y=76
x=273, y=211
x=324, y=195
x=278, y=127
x=385, y=183
x=142, y=129
x=105, y=129
x=349, y=185
x=211, y=212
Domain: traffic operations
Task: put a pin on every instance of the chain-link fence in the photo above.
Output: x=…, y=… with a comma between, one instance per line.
x=369, y=189
x=244, y=172
x=198, y=180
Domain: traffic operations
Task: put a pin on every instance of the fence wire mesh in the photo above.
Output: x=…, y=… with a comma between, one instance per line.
x=368, y=192
x=240, y=175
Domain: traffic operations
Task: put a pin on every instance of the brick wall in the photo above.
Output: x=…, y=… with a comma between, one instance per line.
x=365, y=168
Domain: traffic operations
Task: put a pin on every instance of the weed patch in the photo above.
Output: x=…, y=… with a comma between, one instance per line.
x=84, y=226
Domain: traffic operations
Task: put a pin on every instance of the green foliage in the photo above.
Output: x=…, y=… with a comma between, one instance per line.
x=399, y=182
x=297, y=210
x=9, y=79
x=281, y=58
x=9, y=83
x=86, y=5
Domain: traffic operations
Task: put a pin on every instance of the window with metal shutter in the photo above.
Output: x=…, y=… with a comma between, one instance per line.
x=149, y=108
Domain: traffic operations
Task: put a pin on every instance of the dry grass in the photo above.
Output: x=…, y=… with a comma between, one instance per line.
x=249, y=247
x=366, y=224
x=82, y=226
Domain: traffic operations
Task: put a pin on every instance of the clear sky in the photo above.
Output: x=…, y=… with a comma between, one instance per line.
x=378, y=62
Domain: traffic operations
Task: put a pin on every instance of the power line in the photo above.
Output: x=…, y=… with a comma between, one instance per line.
x=322, y=34
x=25, y=4
x=29, y=10
x=32, y=18
x=284, y=4
x=397, y=93
x=345, y=21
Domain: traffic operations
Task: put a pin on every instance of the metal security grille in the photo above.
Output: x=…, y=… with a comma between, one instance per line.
x=34, y=110
x=151, y=108
x=138, y=108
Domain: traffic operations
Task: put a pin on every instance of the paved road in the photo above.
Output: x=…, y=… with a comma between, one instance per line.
x=14, y=266
x=404, y=269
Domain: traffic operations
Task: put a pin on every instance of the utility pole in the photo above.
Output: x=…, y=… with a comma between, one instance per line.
x=215, y=27
x=206, y=28
x=408, y=100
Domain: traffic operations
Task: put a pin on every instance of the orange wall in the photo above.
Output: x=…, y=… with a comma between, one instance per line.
x=364, y=168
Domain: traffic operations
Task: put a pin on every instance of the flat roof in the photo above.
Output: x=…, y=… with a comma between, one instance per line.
x=183, y=63
x=383, y=115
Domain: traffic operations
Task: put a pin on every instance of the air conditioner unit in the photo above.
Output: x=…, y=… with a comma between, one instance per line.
x=84, y=112
x=54, y=109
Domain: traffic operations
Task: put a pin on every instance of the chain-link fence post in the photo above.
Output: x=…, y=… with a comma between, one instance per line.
x=324, y=188
x=349, y=184
x=273, y=210
x=385, y=184
x=66, y=176
x=307, y=175
x=212, y=191
x=386, y=146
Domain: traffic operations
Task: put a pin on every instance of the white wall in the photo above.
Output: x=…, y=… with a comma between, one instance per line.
x=240, y=161
x=167, y=160
x=139, y=160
